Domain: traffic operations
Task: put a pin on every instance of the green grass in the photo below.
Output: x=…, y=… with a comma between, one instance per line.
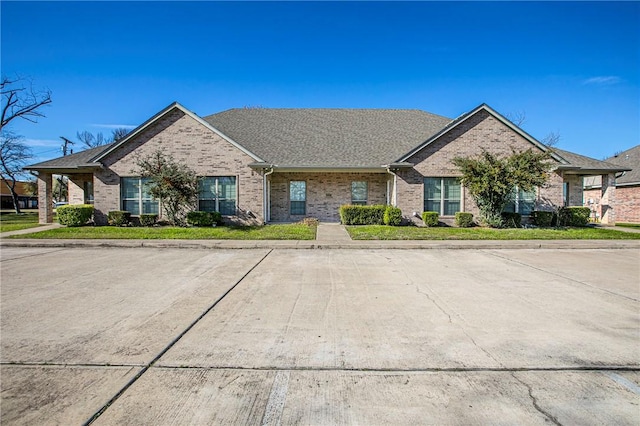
x=380, y=232
x=629, y=225
x=15, y=222
x=267, y=232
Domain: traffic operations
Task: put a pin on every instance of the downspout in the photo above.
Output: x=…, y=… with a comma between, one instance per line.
x=393, y=201
x=266, y=211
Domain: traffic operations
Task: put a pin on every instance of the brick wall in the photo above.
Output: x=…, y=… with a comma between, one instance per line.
x=190, y=142
x=468, y=139
x=326, y=192
x=76, y=187
x=627, y=203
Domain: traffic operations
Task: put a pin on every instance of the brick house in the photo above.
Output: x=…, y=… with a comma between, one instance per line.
x=627, y=183
x=279, y=165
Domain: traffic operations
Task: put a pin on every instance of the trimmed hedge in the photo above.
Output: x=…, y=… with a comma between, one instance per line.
x=392, y=216
x=200, y=218
x=118, y=218
x=574, y=216
x=148, y=219
x=543, y=218
x=75, y=214
x=430, y=218
x=362, y=215
x=511, y=220
x=464, y=219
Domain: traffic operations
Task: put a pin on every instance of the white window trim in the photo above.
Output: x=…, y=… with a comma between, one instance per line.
x=217, y=199
x=442, y=200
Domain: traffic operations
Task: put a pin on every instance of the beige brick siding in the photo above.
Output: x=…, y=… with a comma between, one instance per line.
x=190, y=142
x=468, y=139
x=627, y=203
x=326, y=192
x=76, y=187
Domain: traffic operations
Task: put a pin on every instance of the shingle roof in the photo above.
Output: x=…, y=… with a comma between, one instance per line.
x=629, y=159
x=72, y=161
x=328, y=137
x=586, y=164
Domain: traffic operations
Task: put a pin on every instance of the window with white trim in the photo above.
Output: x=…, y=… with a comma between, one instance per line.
x=298, y=197
x=135, y=196
x=442, y=195
x=523, y=202
x=217, y=194
x=359, y=193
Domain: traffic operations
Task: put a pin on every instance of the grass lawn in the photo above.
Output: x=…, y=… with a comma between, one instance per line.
x=15, y=222
x=267, y=232
x=380, y=232
x=629, y=225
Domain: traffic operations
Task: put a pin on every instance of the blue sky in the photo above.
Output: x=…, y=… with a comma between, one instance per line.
x=572, y=68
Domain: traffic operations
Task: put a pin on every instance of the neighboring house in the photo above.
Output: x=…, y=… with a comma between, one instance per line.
x=280, y=165
x=26, y=199
x=627, y=204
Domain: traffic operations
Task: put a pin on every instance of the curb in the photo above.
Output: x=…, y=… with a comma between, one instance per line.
x=330, y=245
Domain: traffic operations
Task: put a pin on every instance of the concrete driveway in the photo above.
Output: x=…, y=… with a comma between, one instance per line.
x=180, y=336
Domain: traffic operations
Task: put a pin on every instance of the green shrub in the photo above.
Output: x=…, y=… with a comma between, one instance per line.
x=148, y=219
x=573, y=216
x=464, y=220
x=75, y=214
x=543, y=218
x=430, y=218
x=392, y=216
x=118, y=218
x=200, y=218
x=362, y=215
x=511, y=220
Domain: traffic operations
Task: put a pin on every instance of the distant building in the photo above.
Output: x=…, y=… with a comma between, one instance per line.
x=26, y=200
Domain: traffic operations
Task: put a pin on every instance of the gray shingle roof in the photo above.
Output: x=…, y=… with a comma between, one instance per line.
x=586, y=164
x=629, y=159
x=328, y=137
x=72, y=161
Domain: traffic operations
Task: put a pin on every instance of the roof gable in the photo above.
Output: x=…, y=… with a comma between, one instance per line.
x=629, y=159
x=158, y=116
x=464, y=117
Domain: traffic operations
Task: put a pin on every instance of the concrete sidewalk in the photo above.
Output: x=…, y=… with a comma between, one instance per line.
x=329, y=236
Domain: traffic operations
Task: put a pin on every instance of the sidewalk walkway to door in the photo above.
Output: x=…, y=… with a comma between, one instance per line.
x=332, y=232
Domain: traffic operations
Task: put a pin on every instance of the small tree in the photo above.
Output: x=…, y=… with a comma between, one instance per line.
x=492, y=180
x=172, y=182
x=14, y=155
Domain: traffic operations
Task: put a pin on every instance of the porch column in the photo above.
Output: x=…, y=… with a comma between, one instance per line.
x=608, y=199
x=45, y=198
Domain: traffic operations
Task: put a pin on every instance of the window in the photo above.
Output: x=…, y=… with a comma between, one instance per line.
x=522, y=202
x=217, y=194
x=298, y=197
x=136, y=198
x=359, y=193
x=88, y=192
x=442, y=195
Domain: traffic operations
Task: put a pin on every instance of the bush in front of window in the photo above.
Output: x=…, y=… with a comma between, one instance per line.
x=392, y=216
x=574, y=216
x=118, y=218
x=75, y=215
x=511, y=220
x=148, y=219
x=200, y=218
x=362, y=215
x=543, y=218
x=464, y=220
x=430, y=218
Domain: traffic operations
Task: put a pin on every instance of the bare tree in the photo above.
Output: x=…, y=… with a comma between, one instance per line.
x=551, y=140
x=21, y=100
x=14, y=155
x=91, y=140
x=518, y=117
x=119, y=133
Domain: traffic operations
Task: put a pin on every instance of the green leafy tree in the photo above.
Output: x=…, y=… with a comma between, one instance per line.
x=172, y=182
x=492, y=180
